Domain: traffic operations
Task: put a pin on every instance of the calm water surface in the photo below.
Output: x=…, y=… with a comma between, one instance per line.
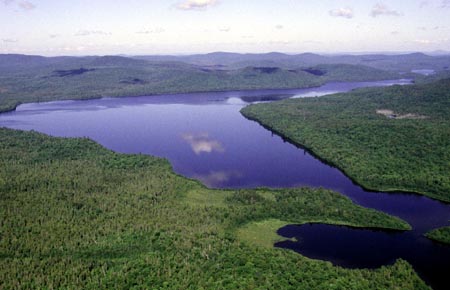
x=205, y=137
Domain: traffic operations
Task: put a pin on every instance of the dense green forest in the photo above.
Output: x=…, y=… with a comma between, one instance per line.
x=75, y=215
x=390, y=139
x=36, y=79
x=441, y=235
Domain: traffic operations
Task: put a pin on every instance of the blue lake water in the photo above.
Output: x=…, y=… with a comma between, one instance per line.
x=205, y=137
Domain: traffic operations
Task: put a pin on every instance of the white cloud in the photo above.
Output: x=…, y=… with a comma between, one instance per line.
x=424, y=3
x=22, y=4
x=279, y=26
x=196, y=4
x=435, y=3
x=342, y=12
x=152, y=31
x=26, y=5
x=424, y=41
x=9, y=40
x=91, y=32
x=224, y=29
x=381, y=9
x=53, y=35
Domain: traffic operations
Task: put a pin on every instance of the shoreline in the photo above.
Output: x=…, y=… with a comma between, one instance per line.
x=169, y=93
x=174, y=93
x=330, y=163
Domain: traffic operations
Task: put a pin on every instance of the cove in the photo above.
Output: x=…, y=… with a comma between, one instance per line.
x=205, y=137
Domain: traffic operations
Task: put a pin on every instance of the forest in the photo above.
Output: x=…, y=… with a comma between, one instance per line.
x=76, y=215
x=386, y=139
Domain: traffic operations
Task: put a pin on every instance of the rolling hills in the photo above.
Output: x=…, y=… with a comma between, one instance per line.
x=26, y=78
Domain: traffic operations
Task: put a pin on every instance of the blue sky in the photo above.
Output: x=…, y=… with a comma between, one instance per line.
x=86, y=27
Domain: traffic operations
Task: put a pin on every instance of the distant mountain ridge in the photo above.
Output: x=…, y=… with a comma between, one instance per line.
x=230, y=60
x=400, y=62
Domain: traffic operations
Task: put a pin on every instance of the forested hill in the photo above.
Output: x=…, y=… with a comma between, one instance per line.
x=393, y=138
x=26, y=78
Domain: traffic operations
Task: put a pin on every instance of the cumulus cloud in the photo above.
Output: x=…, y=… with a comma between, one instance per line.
x=201, y=143
x=26, y=5
x=22, y=4
x=381, y=9
x=152, y=31
x=342, y=12
x=196, y=4
x=224, y=29
x=91, y=32
x=53, y=35
x=279, y=26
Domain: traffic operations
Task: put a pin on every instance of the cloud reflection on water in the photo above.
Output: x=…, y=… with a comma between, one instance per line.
x=202, y=143
x=218, y=178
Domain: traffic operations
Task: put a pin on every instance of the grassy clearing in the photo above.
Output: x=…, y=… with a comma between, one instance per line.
x=262, y=233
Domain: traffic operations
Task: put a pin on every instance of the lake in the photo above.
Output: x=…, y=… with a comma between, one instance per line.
x=205, y=137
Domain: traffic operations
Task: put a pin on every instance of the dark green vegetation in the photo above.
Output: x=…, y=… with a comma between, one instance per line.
x=389, y=139
x=441, y=235
x=36, y=79
x=75, y=215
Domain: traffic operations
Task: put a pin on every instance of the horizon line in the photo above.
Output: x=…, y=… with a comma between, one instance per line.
x=355, y=53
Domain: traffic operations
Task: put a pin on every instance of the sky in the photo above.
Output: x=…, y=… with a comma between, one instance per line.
x=132, y=27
